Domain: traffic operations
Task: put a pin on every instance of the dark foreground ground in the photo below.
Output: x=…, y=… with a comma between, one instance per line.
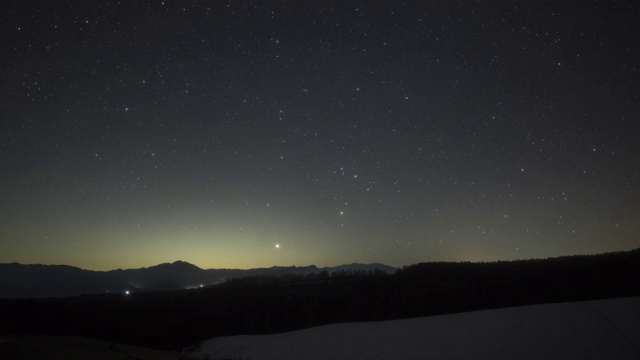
x=586, y=330
x=264, y=305
x=72, y=348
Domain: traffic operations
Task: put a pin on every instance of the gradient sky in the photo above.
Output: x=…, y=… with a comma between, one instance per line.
x=141, y=132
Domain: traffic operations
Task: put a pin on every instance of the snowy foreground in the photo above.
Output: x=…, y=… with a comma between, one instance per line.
x=602, y=329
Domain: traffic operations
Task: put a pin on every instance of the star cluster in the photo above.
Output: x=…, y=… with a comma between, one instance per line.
x=259, y=133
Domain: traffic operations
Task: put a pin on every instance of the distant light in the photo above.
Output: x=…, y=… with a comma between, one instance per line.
x=201, y=285
x=277, y=246
x=127, y=292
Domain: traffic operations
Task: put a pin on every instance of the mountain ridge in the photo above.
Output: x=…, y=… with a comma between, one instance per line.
x=38, y=280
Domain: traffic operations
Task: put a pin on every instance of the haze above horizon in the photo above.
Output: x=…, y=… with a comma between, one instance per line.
x=268, y=133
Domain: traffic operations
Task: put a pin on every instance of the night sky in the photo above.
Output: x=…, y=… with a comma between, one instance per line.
x=246, y=134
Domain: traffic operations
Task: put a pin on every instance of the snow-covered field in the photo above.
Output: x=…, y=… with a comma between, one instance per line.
x=602, y=329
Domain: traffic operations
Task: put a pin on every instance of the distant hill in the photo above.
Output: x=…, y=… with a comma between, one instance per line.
x=32, y=281
x=27, y=281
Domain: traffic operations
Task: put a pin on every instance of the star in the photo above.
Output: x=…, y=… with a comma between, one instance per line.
x=210, y=128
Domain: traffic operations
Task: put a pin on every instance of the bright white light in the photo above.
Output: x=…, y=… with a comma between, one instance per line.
x=126, y=292
x=277, y=246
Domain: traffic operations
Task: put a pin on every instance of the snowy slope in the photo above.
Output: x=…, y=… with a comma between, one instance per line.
x=602, y=329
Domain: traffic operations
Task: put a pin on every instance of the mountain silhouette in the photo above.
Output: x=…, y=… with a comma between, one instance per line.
x=28, y=281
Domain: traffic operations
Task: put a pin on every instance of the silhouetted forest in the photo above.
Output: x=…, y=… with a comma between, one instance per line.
x=268, y=304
